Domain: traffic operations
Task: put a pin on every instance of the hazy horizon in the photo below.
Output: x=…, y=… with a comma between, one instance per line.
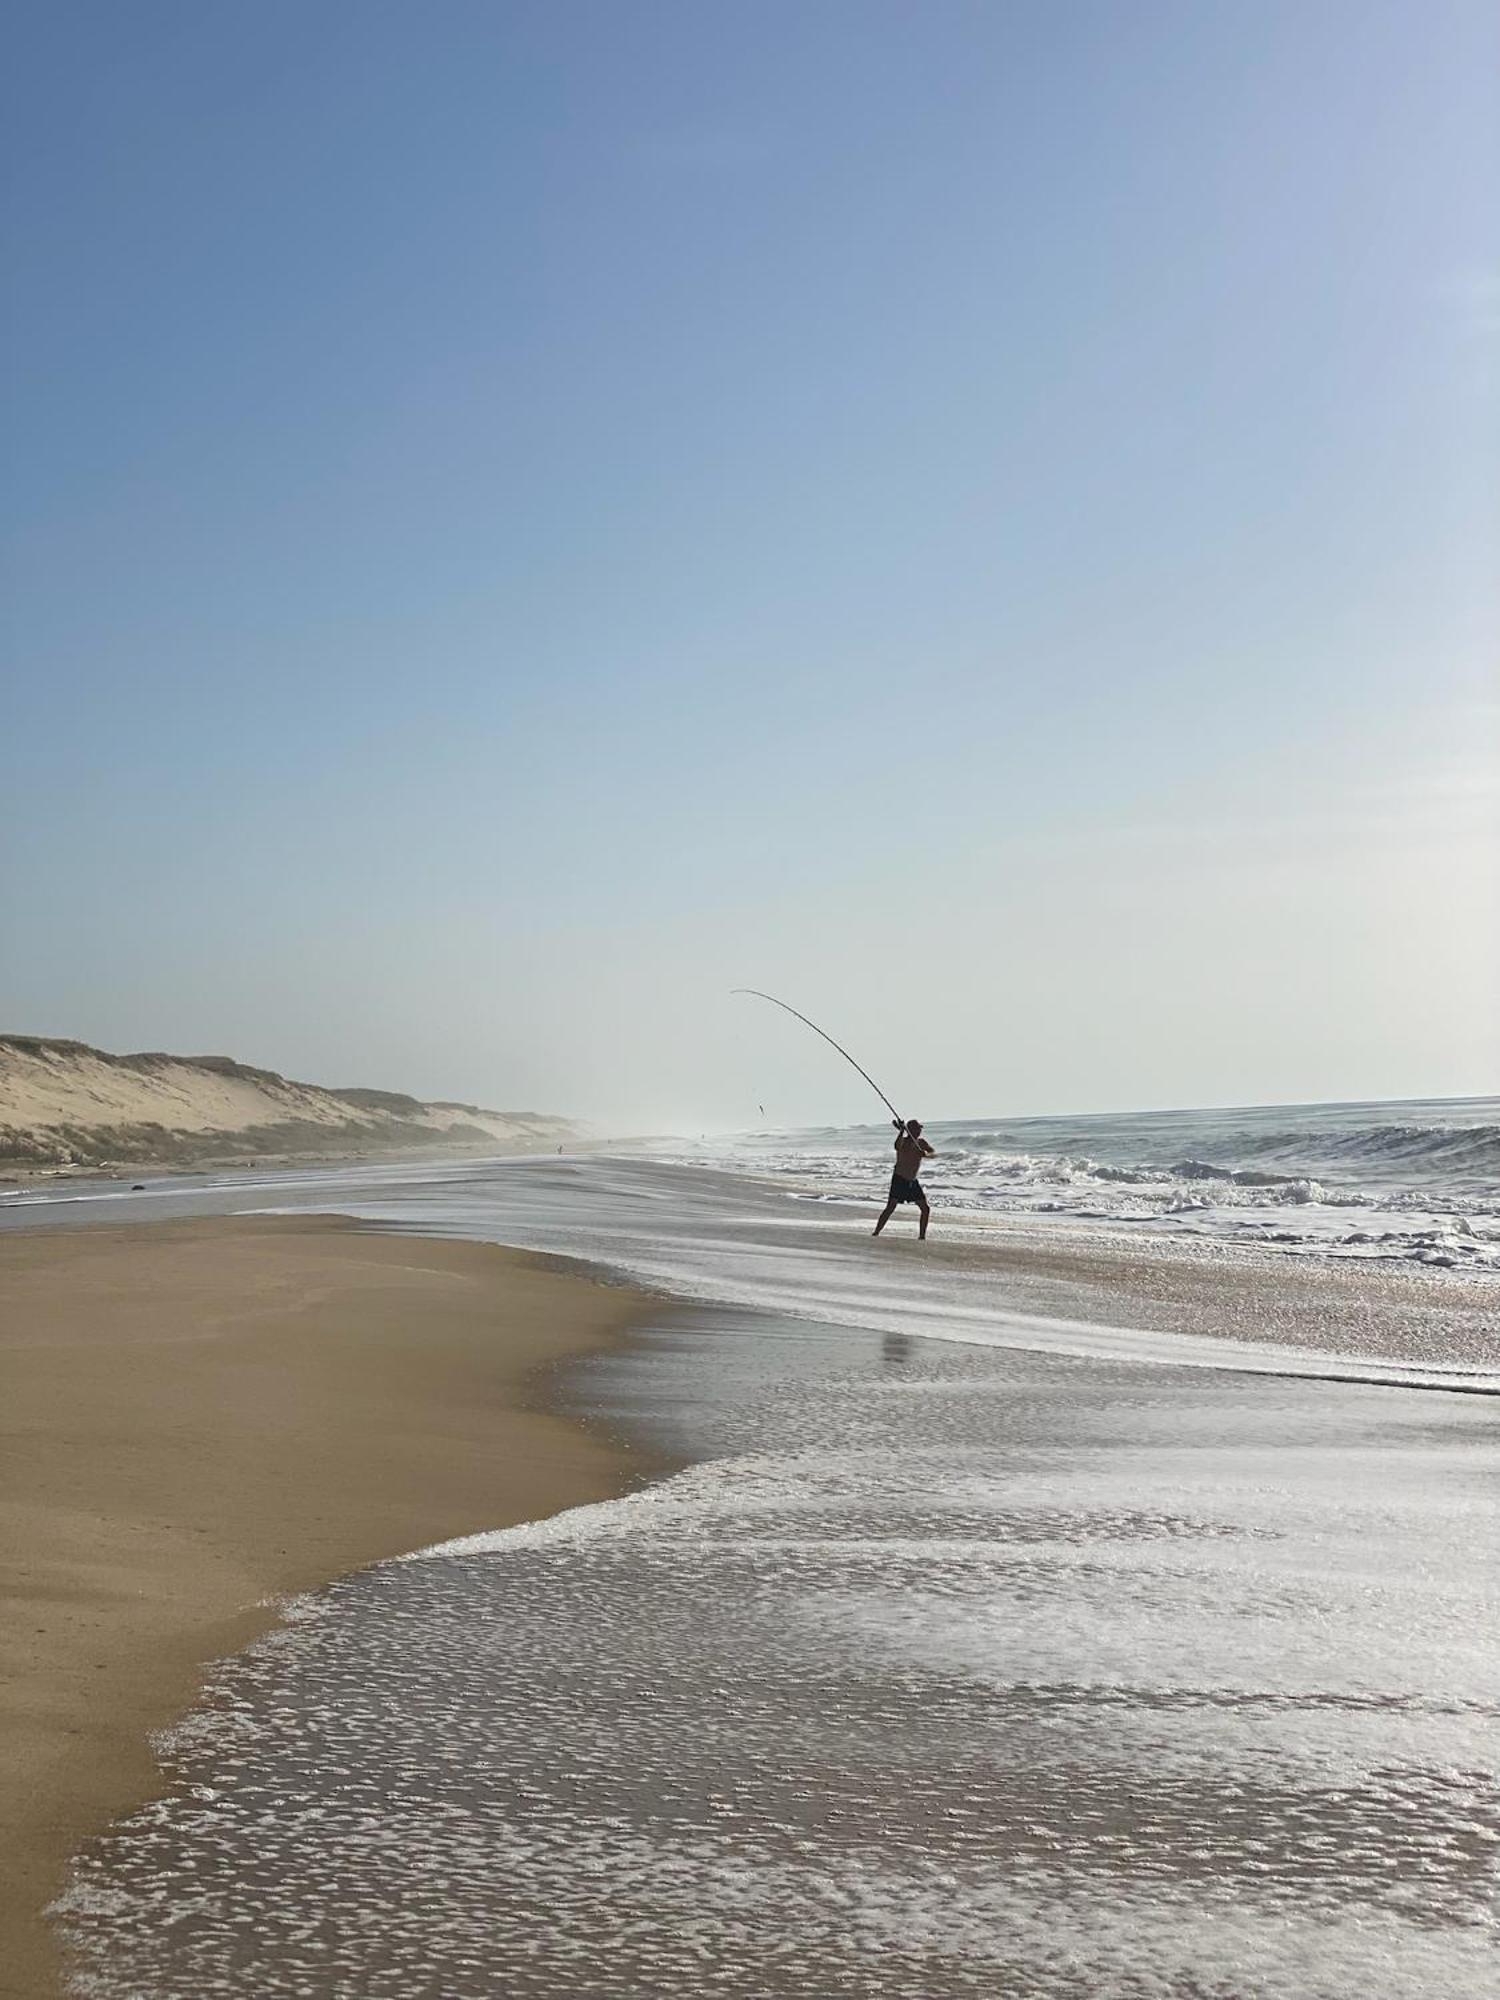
x=874, y=1119
x=978, y=519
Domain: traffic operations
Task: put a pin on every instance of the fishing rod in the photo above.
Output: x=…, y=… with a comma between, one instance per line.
x=786, y=1009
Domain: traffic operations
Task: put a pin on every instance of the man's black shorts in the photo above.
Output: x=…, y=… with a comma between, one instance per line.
x=904, y=1190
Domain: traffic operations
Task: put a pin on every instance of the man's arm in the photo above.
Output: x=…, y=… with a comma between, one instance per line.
x=928, y=1152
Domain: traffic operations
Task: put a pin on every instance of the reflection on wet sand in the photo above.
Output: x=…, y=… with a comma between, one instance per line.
x=896, y=1351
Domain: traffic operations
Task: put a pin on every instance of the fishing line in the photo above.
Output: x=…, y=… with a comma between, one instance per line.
x=786, y=1009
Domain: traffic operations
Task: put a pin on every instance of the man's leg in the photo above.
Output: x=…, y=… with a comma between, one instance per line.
x=926, y=1213
x=885, y=1215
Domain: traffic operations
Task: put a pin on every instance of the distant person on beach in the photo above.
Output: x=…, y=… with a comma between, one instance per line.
x=911, y=1150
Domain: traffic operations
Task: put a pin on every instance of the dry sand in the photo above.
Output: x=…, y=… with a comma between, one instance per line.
x=201, y=1416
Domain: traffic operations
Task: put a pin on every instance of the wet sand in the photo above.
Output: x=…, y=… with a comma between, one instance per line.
x=202, y=1417
x=1095, y=1646
x=940, y=1671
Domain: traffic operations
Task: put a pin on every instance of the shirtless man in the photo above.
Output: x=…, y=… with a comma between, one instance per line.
x=911, y=1150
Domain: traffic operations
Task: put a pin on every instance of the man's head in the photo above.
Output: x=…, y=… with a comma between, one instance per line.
x=914, y=1126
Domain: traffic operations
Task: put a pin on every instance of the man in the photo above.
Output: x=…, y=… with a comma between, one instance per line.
x=911, y=1150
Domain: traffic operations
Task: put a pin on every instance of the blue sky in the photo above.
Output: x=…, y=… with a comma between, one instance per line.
x=979, y=517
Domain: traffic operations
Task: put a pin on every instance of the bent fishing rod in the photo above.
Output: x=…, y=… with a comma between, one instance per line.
x=788, y=1009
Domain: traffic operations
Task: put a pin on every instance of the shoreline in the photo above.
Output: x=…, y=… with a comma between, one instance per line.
x=33, y=1176
x=1160, y=1676
x=205, y=1417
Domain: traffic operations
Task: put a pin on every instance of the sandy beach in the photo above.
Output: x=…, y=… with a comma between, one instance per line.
x=749, y=1117
x=1039, y=1614
x=205, y=1416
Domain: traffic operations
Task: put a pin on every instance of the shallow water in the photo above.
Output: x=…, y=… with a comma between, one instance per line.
x=1025, y=1621
x=1030, y=1282
x=939, y=1671
x=708, y=1236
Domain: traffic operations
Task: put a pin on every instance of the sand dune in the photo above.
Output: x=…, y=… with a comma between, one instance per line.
x=64, y=1104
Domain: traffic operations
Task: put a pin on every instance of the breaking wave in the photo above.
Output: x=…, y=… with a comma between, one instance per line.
x=1464, y=1149
x=1417, y=1181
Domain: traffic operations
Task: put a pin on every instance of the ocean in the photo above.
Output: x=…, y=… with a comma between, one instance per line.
x=1077, y=1607
x=1417, y=1179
